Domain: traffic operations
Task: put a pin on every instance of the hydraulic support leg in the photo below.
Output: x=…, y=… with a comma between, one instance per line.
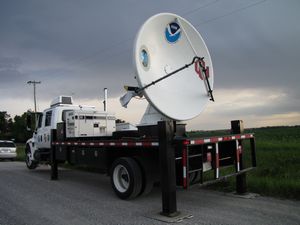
x=53, y=161
x=167, y=168
x=241, y=184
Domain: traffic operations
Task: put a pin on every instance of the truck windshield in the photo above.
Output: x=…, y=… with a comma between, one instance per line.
x=48, y=118
x=40, y=119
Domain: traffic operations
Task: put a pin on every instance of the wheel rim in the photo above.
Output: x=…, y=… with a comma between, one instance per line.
x=28, y=159
x=121, y=178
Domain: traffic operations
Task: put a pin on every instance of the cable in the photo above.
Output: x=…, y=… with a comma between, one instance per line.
x=232, y=12
x=201, y=7
x=204, y=22
x=106, y=49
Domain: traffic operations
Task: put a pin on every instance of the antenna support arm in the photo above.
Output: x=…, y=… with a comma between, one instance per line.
x=196, y=58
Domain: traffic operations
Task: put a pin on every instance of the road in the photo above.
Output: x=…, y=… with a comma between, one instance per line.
x=31, y=198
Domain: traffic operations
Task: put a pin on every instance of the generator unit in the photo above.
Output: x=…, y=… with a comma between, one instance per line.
x=89, y=124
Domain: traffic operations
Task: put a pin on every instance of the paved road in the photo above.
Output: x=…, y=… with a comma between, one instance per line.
x=31, y=198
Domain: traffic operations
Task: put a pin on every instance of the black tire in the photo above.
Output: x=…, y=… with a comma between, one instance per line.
x=150, y=174
x=148, y=183
x=29, y=163
x=126, y=178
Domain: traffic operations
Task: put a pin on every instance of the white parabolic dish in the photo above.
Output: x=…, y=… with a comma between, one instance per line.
x=163, y=44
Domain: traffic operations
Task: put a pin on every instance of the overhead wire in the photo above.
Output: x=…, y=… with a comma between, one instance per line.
x=200, y=7
x=108, y=48
x=131, y=38
x=231, y=12
x=204, y=22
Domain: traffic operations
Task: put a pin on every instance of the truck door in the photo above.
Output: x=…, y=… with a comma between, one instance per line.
x=44, y=132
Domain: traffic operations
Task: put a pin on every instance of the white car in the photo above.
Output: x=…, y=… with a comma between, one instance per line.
x=8, y=150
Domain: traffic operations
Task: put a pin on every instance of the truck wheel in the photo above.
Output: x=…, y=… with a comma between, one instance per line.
x=29, y=162
x=150, y=174
x=126, y=178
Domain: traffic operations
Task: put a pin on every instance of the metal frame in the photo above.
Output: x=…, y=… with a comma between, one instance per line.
x=187, y=143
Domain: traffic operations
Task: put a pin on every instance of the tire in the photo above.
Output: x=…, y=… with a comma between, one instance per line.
x=29, y=163
x=148, y=183
x=150, y=174
x=126, y=178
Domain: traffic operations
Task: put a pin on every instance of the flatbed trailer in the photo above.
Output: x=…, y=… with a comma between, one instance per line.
x=194, y=158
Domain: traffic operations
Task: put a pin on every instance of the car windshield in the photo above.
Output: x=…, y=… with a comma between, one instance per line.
x=7, y=144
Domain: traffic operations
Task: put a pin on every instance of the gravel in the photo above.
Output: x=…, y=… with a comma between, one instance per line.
x=30, y=197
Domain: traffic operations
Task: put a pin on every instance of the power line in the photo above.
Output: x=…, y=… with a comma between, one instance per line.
x=106, y=49
x=232, y=12
x=215, y=18
x=188, y=13
x=201, y=7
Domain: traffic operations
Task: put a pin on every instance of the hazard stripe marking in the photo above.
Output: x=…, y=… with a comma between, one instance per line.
x=105, y=144
x=217, y=139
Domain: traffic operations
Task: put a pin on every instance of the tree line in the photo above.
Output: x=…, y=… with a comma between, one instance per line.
x=14, y=128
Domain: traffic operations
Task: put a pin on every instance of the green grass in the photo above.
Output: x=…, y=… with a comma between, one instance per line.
x=20, y=152
x=278, y=158
x=278, y=163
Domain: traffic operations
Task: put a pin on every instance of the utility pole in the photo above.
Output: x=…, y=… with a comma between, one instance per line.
x=34, y=96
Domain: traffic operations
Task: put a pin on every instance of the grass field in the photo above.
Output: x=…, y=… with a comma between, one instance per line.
x=278, y=162
x=20, y=152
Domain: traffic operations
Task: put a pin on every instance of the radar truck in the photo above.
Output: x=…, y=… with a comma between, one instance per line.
x=81, y=135
x=158, y=149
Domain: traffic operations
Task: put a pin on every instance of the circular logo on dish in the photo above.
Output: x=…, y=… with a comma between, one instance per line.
x=173, y=32
x=144, y=58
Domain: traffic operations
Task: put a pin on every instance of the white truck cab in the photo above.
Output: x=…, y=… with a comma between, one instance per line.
x=38, y=147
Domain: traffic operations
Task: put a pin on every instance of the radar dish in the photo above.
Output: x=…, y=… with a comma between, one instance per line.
x=164, y=43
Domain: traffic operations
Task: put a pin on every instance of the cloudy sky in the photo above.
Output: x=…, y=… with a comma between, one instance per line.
x=79, y=47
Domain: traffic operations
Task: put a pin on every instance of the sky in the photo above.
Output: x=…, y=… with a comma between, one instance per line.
x=79, y=47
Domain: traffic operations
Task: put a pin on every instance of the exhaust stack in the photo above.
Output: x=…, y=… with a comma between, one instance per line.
x=105, y=100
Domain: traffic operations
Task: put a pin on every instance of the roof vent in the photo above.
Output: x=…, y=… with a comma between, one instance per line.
x=62, y=100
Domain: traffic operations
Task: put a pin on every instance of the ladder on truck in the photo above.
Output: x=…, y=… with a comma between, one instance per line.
x=209, y=156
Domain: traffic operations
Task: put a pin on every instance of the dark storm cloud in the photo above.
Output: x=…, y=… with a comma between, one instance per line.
x=9, y=63
x=79, y=47
x=9, y=72
x=257, y=48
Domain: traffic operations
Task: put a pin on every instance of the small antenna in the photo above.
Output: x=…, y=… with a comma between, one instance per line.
x=105, y=100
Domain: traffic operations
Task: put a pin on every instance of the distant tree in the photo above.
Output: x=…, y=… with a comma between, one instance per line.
x=5, y=125
x=19, y=131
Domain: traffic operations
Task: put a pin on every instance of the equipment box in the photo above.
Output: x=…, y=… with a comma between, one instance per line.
x=89, y=124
